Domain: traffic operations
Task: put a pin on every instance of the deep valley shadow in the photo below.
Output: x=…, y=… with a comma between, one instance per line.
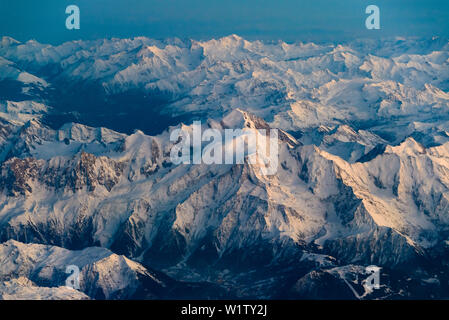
x=88, y=103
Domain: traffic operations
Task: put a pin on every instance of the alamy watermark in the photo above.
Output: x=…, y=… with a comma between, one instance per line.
x=259, y=146
x=373, y=20
x=73, y=280
x=371, y=283
x=73, y=20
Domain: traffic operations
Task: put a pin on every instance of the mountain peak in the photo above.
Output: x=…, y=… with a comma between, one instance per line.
x=409, y=147
x=239, y=119
x=232, y=38
x=8, y=41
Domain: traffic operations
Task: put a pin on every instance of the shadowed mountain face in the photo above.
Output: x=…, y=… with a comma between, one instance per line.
x=363, y=174
x=90, y=104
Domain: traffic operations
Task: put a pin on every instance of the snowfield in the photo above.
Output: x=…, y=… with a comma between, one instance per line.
x=363, y=175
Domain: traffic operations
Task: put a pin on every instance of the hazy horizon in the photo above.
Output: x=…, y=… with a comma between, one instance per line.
x=318, y=20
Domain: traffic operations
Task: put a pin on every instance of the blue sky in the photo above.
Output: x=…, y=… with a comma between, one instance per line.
x=290, y=20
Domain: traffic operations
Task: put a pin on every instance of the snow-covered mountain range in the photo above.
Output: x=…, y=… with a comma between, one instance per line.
x=86, y=177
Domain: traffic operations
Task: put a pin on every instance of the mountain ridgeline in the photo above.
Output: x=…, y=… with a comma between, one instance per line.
x=86, y=177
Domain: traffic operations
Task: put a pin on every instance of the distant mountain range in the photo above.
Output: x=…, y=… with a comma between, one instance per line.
x=86, y=177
